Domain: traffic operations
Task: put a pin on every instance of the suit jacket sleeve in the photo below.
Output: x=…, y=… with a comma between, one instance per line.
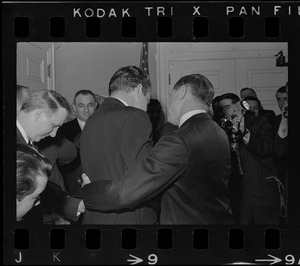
x=60, y=202
x=157, y=172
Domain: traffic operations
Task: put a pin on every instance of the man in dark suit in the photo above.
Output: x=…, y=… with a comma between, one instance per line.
x=40, y=116
x=84, y=105
x=116, y=137
x=280, y=133
x=61, y=151
x=269, y=114
x=190, y=166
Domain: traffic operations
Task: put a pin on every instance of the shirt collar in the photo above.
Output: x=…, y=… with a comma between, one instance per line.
x=23, y=133
x=188, y=115
x=81, y=123
x=125, y=103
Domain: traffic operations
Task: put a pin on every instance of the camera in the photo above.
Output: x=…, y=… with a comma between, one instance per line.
x=232, y=127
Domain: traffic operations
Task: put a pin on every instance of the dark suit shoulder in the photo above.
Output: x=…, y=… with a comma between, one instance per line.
x=68, y=125
x=70, y=129
x=115, y=108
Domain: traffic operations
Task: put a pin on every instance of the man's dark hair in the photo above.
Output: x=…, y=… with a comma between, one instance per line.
x=249, y=89
x=253, y=98
x=30, y=164
x=84, y=92
x=233, y=97
x=216, y=99
x=281, y=89
x=127, y=78
x=201, y=87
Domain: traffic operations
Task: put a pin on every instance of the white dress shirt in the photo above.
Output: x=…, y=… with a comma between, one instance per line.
x=188, y=115
x=81, y=123
x=23, y=133
x=125, y=103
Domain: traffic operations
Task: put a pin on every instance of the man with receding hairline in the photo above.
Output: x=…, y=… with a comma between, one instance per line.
x=40, y=116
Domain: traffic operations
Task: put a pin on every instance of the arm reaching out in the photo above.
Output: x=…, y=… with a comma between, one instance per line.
x=156, y=173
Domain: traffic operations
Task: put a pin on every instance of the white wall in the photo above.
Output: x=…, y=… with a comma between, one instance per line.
x=229, y=66
x=91, y=65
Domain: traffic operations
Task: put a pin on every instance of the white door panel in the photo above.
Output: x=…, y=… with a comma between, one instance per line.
x=221, y=73
x=34, y=65
x=264, y=77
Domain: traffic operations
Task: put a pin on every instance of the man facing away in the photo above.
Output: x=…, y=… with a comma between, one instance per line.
x=116, y=137
x=84, y=105
x=190, y=166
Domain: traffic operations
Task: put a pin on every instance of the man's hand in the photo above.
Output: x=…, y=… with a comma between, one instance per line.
x=85, y=180
x=238, y=122
x=81, y=207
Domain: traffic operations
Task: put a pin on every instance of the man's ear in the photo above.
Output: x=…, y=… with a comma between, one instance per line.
x=37, y=114
x=73, y=107
x=182, y=92
x=138, y=91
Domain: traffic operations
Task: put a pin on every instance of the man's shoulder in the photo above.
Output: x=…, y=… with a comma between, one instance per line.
x=122, y=111
x=69, y=125
x=70, y=129
x=71, y=122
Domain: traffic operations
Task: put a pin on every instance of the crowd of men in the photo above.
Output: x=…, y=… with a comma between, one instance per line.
x=111, y=161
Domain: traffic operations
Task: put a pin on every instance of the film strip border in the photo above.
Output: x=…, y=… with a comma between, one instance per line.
x=147, y=21
x=179, y=245
x=164, y=27
x=158, y=22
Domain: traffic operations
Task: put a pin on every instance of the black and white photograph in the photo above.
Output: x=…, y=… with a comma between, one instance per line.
x=150, y=133
x=155, y=133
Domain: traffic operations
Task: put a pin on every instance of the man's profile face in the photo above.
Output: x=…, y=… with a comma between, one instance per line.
x=226, y=107
x=47, y=124
x=84, y=106
x=282, y=99
x=29, y=201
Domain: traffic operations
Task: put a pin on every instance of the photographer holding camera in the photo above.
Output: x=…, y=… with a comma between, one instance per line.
x=253, y=183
